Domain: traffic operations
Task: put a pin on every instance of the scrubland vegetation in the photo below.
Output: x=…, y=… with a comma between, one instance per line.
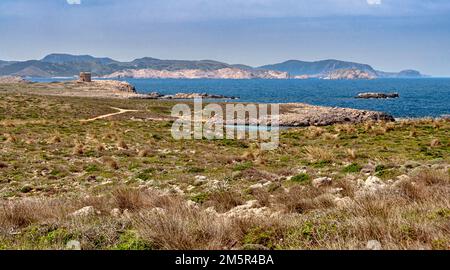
x=124, y=183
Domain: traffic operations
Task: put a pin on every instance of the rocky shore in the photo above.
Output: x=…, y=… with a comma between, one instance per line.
x=300, y=115
x=291, y=114
x=156, y=95
x=12, y=79
x=304, y=115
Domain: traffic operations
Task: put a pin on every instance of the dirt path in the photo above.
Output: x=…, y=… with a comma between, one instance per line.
x=120, y=111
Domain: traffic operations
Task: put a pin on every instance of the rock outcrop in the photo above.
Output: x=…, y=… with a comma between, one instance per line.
x=115, y=85
x=299, y=114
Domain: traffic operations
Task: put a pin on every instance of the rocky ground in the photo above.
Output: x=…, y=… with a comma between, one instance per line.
x=123, y=182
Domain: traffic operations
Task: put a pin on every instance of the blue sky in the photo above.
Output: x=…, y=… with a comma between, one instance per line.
x=390, y=35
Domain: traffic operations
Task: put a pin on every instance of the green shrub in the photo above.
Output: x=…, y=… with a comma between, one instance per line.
x=352, y=168
x=302, y=178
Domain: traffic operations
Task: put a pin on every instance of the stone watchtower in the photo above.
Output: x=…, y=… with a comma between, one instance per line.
x=85, y=77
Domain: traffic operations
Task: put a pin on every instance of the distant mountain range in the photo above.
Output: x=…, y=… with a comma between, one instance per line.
x=66, y=65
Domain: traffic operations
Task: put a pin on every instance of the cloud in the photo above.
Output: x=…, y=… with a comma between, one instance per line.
x=74, y=2
x=374, y=2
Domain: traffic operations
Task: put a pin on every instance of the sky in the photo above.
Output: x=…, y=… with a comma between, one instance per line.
x=390, y=35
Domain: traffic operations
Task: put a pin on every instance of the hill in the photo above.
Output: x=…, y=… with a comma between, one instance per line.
x=317, y=68
x=66, y=65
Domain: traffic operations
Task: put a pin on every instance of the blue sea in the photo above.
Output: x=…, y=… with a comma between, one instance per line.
x=418, y=97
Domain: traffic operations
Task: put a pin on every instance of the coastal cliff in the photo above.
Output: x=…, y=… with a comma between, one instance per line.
x=66, y=65
x=223, y=73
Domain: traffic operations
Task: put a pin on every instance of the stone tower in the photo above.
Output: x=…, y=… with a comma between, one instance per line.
x=85, y=77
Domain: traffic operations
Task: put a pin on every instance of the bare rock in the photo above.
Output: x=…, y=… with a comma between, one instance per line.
x=299, y=114
x=73, y=245
x=322, y=181
x=373, y=183
x=84, y=212
x=116, y=213
x=256, y=186
x=374, y=245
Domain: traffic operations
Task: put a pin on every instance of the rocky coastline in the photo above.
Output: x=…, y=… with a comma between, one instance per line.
x=291, y=114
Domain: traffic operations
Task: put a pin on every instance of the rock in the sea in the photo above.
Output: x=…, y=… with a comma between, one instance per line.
x=377, y=95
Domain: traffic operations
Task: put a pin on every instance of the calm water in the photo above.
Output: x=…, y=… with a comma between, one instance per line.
x=418, y=97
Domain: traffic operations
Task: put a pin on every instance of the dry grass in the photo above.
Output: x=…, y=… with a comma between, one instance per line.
x=111, y=163
x=223, y=201
x=130, y=199
x=78, y=149
x=351, y=153
x=183, y=228
x=314, y=153
x=10, y=138
x=122, y=145
x=146, y=152
x=314, y=132
x=435, y=143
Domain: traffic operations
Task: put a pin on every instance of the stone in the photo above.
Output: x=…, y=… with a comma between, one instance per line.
x=84, y=212
x=73, y=245
x=322, y=181
x=267, y=184
x=374, y=245
x=116, y=213
x=373, y=183
x=256, y=186
x=200, y=180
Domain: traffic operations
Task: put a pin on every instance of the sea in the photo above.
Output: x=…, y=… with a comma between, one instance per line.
x=424, y=97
